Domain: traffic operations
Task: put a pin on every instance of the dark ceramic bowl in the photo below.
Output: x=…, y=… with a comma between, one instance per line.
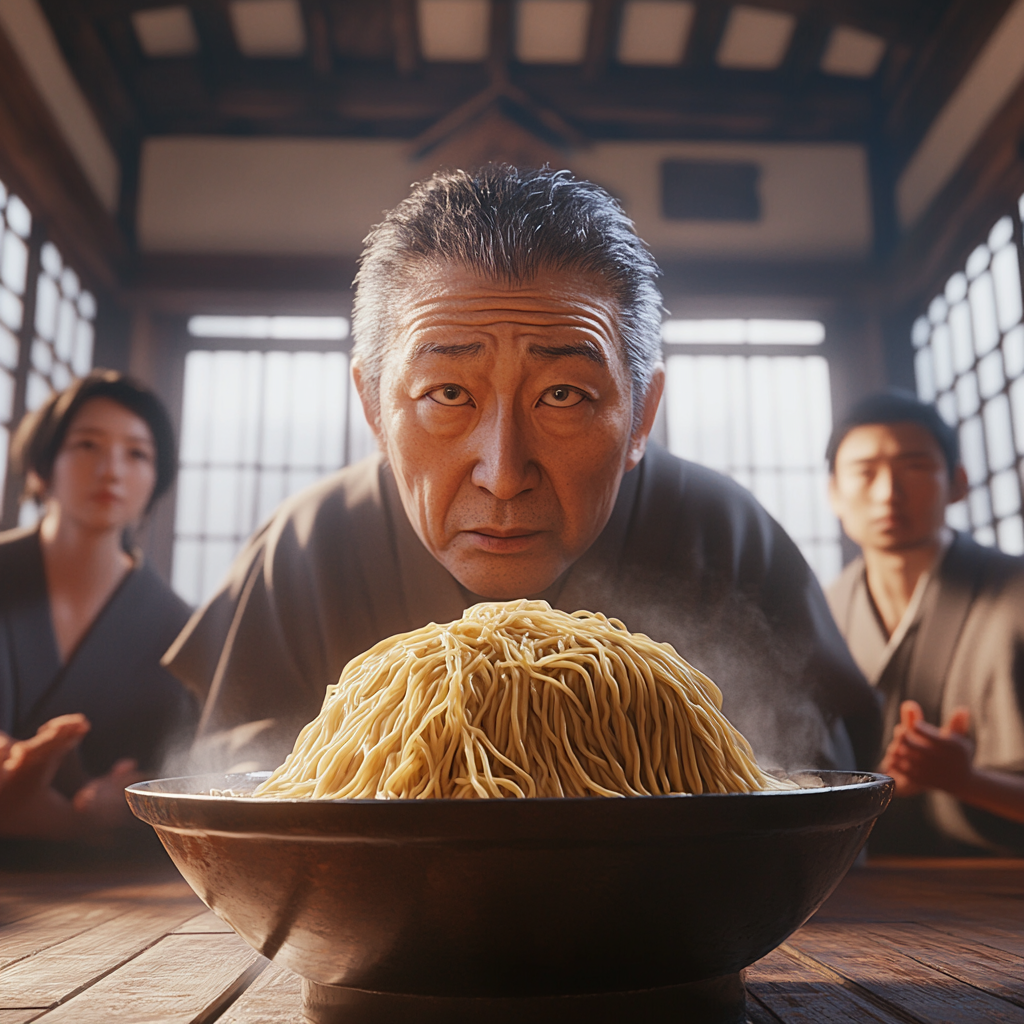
x=513, y=897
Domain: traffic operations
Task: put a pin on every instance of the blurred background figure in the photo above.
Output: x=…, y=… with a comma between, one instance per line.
x=84, y=703
x=936, y=622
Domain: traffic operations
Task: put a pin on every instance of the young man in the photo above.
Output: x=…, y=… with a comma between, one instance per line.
x=936, y=623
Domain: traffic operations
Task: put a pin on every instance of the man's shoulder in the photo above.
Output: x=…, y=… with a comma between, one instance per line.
x=701, y=489
x=348, y=497
x=996, y=571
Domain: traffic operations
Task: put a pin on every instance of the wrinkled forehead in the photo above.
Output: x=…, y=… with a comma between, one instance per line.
x=437, y=295
x=900, y=440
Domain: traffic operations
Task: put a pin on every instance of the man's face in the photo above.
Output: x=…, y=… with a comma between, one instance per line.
x=505, y=413
x=891, y=486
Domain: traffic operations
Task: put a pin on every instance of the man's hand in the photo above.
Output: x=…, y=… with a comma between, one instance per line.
x=922, y=757
x=31, y=807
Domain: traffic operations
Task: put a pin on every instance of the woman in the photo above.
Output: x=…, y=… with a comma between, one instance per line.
x=84, y=702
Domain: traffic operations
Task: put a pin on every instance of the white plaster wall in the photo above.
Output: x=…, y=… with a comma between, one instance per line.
x=29, y=32
x=292, y=196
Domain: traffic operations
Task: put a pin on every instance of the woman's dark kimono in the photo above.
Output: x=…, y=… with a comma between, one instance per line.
x=137, y=709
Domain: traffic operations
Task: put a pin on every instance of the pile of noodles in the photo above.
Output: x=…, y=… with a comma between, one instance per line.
x=519, y=700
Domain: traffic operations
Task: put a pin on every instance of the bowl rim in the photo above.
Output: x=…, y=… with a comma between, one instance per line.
x=864, y=781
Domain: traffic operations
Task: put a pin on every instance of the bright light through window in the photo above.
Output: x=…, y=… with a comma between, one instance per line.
x=969, y=360
x=743, y=332
x=279, y=328
x=760, y=416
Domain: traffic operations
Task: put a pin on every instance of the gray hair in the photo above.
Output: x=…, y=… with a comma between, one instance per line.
x=508, y=225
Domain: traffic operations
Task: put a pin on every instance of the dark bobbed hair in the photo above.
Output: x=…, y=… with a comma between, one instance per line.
x=896, y=406
x=510, y=225
x=41, y=433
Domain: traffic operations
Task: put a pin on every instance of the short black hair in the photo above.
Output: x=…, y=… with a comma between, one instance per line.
x=896, y=406
x=509, y=225
x=41, y=433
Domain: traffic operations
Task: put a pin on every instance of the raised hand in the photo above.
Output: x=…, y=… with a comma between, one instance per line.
x=31, y=807
x=922, y=756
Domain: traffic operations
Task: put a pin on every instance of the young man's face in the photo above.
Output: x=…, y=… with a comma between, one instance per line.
x=506, y=414
x=891, y=486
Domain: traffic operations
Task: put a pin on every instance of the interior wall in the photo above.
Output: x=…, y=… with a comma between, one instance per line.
x=305, y=196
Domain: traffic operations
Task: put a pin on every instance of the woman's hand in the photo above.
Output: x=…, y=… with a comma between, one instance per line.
x=29, y=805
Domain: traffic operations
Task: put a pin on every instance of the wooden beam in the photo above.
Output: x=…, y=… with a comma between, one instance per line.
x=602, y=35
x=945, y=57
x=630, y=102
x=213, y=283
x=37, y=162
x=407, y=44
x=318, y=31
x=987, y=186
x=94, y=70
x=500, y=46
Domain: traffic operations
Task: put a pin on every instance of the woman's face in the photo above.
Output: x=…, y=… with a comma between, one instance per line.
x=105, y=471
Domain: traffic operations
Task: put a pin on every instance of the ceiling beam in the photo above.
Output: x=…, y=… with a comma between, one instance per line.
x=94, y=70
x=935, y=72
x=407, y=44
x=37, y=163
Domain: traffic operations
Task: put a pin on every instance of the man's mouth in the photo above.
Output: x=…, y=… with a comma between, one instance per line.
x=499, y=541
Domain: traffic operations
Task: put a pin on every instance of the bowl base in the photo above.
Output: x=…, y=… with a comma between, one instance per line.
x=717, y=1001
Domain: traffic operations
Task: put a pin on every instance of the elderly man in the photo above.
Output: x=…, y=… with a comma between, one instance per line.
x=936, y=623
x=507, y=353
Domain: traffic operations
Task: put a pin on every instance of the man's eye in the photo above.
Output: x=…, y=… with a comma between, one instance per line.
x=562, y=397
x=450, y=394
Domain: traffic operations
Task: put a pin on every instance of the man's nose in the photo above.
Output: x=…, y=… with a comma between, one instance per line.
x=502, y=459
x=885, y=485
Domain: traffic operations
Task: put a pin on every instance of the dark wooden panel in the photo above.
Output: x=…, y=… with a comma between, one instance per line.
x=36, y=162
x=986, y=187
x=942, y=60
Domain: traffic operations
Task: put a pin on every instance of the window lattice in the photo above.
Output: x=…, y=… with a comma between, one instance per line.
x=15, y=230
x=257, y=426
x=761, y=416
x=969, y=360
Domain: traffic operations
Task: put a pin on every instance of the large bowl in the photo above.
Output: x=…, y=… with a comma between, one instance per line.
x=513, y=898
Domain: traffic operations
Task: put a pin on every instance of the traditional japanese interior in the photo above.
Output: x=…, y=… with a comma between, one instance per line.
x=830, y=188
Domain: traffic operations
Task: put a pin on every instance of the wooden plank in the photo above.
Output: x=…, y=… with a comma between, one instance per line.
x=18, y=1016
x=184, y=979
x=55, y=924
x=798, y=993
x=45, y=918
x=986, y=968
x=274, y=998
x=64, y=967
x=203, y=923
x=884, y=972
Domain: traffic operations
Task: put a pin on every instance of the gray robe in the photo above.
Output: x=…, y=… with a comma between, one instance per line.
x=964, y=648
x=687, y=556
x=113, y=677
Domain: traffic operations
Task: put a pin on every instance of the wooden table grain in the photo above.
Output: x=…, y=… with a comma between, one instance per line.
x=899, y=942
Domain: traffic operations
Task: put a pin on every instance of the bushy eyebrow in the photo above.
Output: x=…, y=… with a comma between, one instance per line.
x=577, y=348
x=429, y=348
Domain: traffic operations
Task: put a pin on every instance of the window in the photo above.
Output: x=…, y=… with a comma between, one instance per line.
x=46, y=331
x=969, y=360
x=744, y=397
x=257, y=426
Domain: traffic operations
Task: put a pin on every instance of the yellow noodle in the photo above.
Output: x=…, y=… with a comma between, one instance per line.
x=519, y=700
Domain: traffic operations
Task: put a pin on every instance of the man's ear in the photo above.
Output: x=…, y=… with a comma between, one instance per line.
x=958, y=486
x=638, y=442
x=371, y=407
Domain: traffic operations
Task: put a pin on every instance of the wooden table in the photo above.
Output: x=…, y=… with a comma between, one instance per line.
x=899, y=942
